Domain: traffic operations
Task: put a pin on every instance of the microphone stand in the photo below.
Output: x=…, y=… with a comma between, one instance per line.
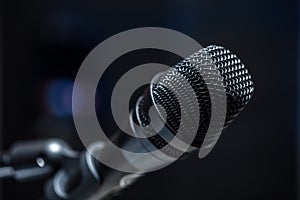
x=72, y=175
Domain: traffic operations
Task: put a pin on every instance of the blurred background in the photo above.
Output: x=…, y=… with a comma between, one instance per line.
x=44, y=42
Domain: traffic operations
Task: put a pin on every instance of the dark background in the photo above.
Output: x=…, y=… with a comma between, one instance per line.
x=44, y=42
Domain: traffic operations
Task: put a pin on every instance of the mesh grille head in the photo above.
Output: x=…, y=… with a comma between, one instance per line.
x=206, y=81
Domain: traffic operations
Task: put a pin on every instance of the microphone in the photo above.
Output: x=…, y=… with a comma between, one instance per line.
x=184, y=109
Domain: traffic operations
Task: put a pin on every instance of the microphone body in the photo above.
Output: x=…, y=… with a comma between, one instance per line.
x=170, y=119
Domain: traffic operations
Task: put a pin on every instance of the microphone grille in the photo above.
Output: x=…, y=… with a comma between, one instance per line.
x=236, y=82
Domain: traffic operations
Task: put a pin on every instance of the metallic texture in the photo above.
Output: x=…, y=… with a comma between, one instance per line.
x=236, y=82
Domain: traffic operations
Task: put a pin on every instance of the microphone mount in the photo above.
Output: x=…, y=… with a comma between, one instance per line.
x=70, y=175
